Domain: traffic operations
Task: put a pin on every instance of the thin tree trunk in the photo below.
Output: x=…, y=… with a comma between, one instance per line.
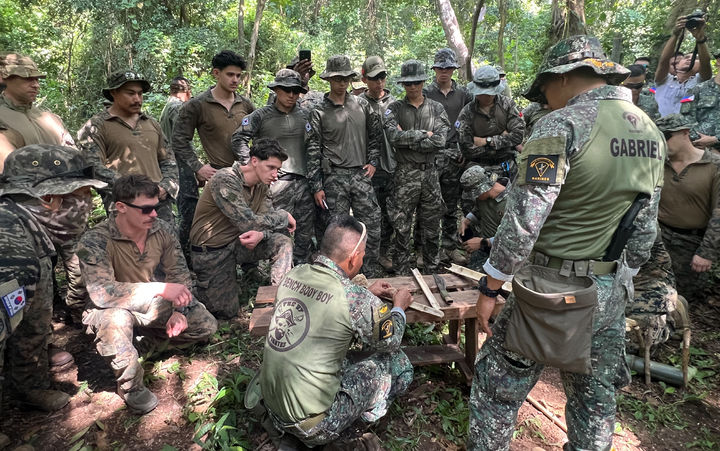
x=452, y=33
x=502, y=12
x=479, y=10
x=241, y=26
x=568, y=19
x=617, y=48
x=253, y=43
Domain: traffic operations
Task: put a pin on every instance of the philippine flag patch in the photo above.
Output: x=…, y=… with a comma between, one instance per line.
x=14, y=301
x=687, y=99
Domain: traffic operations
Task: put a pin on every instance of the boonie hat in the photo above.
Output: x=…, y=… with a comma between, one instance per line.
x=338, y=66
x=572, y=53
x=445, y=58
x=674, y=122
x=412, y=70
x=486, y=80
x=475, y=181
x=373, y=66
x=120, y=77
x=22, y=66
x=46, y=169
x=287, y=78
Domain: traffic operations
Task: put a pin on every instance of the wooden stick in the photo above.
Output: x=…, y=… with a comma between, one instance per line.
x=473, y=275
x=547, y=413
x=426, y=290
x=648, y=344
x=685, y=355
x=419, y=307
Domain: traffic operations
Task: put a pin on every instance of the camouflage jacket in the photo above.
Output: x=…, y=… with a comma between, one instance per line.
x=169, y=117
x=529, y=205
x=703, y=106
x=531, y=114
x=504, y=124
x=406, y=127
x=453, y=102
x=387, y=153
x=98, y=259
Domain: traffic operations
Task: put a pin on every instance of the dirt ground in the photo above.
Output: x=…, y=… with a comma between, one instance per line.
x=432, y=416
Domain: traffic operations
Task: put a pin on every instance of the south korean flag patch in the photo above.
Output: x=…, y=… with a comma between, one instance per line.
x=14, y=301
x=388, y=111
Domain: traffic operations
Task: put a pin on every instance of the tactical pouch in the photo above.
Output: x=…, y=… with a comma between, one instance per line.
x=552, y=319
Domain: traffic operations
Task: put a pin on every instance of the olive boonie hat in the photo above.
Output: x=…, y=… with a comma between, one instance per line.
x=21, y=66
x=120, y=77
x=572, y=53
x=674, y=122
x=46, y=169
x=475, y=181
x=373, y=66
x=412, y=70
x=445, y=58
x=287, y=78
x=486, y=80
x=338, y=66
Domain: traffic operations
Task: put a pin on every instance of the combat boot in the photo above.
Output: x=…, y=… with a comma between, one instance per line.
x=57, y=357
x=139, y=401
x=47, y=400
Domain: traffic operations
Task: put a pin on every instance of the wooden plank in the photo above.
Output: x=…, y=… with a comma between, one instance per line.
x=426, y=289
x=433, y=355
x=265, y=295
x=426, y=309
x=260, y=321
x=473, y=275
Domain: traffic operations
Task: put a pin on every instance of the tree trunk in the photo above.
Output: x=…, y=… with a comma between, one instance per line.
x=502, y=12
x=479, y=11
x=452, y=33
x=241, y=26
x=317, y=6
x=253, y=43
x=568, y=19
x=617, y=48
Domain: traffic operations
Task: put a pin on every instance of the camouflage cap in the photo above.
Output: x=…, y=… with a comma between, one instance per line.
x=486, y=80
x=445, y=58
x=19, y=65
x=338, y=66
x=570, y=54
x=288, y=78
x=412, y=70
x=46, y=169
x=674, y=122
x=475, y=181
x=120, y=77
x=373, y=66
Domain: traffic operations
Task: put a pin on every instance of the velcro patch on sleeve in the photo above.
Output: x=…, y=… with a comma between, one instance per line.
x=383, y=326
x=543, y=162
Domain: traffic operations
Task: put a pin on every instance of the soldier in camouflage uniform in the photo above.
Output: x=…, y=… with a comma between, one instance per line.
x=374, y=74
x=316, y=396
x=702, y=106
x=122, y=140
x=417, y=128
x=450, y=161
x=309, y=99
x=235, y=223
x=531, y=114
x=642, y=96
x=575, y=172
x=689, y=207
x=344, y=135
x=120, y=260
x=285, y=121
x=36, y=182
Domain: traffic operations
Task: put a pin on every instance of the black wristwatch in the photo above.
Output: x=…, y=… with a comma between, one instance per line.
x=483, y=288
x=489, y=141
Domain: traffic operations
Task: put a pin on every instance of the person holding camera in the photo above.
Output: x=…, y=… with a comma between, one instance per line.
x=676, y=74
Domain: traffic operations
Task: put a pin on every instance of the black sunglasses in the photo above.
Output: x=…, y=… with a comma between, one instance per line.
x=412, y=83
x=487, y=84
x=633, y=85
x=380, y=76
x=145, y=209
x=291, y=90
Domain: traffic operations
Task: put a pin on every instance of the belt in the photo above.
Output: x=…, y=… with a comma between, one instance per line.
x=290, y=176
x=334, y=168
x=582, y=267
x=421, y=166
x=697, y=232
x=207, y=248
x=310, y=422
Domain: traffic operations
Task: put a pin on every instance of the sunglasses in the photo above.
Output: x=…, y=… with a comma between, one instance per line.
x=378, y=77
x=362, y=238
x=290, y=90
x=486, y=84
x=633, y=85
x=411, y=83
x=144, y=209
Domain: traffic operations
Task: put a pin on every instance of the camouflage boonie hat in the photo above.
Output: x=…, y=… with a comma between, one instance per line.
x=674, y=122
x=445, y=58
x=287, y=78
x=120, y=77
x=486, y=80
x=22, y=66
x=570, y=54
x=475, y=181
x=412, y=70
x=500, y=70
x=46, y=169
x=373, y=66
x=338, y=66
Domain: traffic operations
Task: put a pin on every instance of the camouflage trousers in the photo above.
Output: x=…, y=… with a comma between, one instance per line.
x=383, y=183
x=503, y=378
x=216, y=271
x=416, y=191
x=26, y=349
x=655, y=298
x=367, y=388
x=76, y=293
x=186, y=201
x=450, y=172
x=294, y=197
x=351, y=188
x=682, y=248
x=115, y=328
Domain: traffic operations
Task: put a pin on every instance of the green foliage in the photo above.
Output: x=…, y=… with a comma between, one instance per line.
x=652, y=414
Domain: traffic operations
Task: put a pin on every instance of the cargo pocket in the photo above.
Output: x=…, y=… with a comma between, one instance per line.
x=503, y=378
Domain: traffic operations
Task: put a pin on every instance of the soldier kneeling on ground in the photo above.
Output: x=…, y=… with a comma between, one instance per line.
x=137, y=277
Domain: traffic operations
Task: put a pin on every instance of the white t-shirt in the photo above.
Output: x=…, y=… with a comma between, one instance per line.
x=669, y=94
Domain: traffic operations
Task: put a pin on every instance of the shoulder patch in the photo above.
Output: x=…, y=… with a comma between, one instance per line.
x=457, y=124
x=307, y=127
x=543, y=161
x=387, y=112
x=245, y=121
x=13, y=297
x=383, y=326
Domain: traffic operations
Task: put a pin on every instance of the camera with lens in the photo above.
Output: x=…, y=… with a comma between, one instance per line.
x=695, y=19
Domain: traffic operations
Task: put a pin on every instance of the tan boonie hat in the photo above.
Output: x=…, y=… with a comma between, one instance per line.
x=475, y=181
x=674, y=123
x=338, y=66
x=46, y=169
x=373, y=66
x=120, y=77
x=486, y=80
x=21, y=66
x=445, y=58
x=573, y=53
x=412, y=71
x=287, y=78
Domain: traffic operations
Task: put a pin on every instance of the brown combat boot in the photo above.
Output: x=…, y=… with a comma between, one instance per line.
x=58, y=357
x=47, y=400
x=139, y=401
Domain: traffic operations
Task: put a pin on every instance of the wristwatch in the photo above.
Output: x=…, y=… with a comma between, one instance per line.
x=489, y=140
x=483, y=288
